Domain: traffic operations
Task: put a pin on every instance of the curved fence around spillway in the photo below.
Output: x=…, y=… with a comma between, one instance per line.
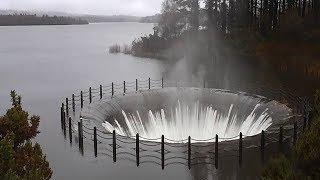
x=162, y=151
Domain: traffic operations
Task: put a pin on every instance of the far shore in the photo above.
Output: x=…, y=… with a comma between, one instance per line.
x=41, y=25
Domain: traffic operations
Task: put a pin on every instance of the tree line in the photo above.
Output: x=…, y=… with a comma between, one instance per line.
x=26, y=19
x=229, y=16
x=182, y=18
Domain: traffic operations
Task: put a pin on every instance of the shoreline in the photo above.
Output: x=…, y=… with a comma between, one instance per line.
x=41, y=25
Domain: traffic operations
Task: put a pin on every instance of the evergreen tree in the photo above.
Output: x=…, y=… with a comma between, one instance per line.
x=172, y=22
x=223, y=16
x=19, y=158
x=209, y=9
x=194, y=15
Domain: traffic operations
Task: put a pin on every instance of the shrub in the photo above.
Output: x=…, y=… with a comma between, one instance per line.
x=114, y=49
x=307, y=151
x=278, y=168
x=126, y=49
x=305, y=162
x=317, y=102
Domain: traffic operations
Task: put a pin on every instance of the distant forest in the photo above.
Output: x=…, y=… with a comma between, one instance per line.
x=229, y=16
x=120, y=18
x=241, y=24
x=115, y=18
x=26, y=19
x=151, y=19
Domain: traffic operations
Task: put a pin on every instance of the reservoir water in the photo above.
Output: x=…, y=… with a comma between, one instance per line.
x=45, y=64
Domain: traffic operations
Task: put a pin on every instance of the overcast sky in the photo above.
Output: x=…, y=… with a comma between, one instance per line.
x=99, y=7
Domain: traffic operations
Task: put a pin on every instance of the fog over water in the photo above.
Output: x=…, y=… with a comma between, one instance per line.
x=105, y=7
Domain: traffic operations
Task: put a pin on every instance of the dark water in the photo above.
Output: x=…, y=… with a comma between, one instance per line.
x=45, y=64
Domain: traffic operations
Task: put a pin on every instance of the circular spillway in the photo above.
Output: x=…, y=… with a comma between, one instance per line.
x=178, y=113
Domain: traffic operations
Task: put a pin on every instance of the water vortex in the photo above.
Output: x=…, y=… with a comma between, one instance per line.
x=178, y=113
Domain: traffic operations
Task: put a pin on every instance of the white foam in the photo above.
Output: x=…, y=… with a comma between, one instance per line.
x=199, y=122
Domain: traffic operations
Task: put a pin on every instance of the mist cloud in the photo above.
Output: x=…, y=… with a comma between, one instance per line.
x=99, y=7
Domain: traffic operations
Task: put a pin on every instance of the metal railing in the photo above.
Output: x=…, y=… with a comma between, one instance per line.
x=189, y=152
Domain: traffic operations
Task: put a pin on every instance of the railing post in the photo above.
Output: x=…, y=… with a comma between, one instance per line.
x=189, y=152
x=81, y=132
x=162, y=82
x=124, y=87
x=137, y=150
x=70, y=130
x=112, y=90
x=64, y=126
x=216, y=152
x=79, y=135
x=114, y=145
x=64, y=120
x=73, y=103
x=90, y=95
x=62, y=106
x=162, y=151
x=81, y=99
x=240, y=149
x=101, y=91
x=262, y=144
x=95, y=143
x=62, y=111
x=295, y=132
x=280, y=138
x=67, y=107
x=63, y=116
x=137, y=85
x=149, y=83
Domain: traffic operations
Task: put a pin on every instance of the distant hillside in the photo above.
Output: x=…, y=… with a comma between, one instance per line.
x=27, y=20
x=88, y=17
x=115, y=18
x=151, y=19
x=38, y=13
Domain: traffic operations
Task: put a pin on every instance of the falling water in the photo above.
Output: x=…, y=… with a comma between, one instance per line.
x=199, y=121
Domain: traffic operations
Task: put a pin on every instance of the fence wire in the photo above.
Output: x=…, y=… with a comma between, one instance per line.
x=173, y=152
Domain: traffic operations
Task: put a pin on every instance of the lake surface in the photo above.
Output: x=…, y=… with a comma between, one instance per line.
x=46, y=64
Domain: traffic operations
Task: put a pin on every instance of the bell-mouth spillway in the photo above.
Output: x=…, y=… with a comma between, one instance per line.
x=179, y=113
